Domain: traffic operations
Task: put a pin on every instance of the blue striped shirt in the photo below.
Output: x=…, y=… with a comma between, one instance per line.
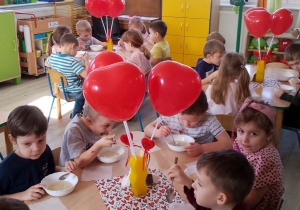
x=69, y=67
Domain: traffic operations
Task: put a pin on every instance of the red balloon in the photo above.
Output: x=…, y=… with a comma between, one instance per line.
x=115, y=91
x=104, y=59
x=115, y=8
x=173, y=87
x=258, y=21
x=281, y=20
x=97, y=8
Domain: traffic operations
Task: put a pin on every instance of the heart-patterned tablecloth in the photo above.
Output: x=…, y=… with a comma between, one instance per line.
x=268, y=82
x=116, y=197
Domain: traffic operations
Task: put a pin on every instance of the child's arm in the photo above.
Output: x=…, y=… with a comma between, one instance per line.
x=255, y=196
x=88, y=156
x=34, y=192
x=161, y=131
x=179, y=176
x=155, y=61
x=70, y=166
x=284, y=96
x=85, y=58
x=96, y=41
x=47, y=64
x=156, y=55
x=148, y=43
x=209, y=78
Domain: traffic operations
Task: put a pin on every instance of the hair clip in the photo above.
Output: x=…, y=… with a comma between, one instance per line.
x=242, y=66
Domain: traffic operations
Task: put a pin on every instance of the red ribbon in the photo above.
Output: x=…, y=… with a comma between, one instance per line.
x=146, y=153
x=134, y=145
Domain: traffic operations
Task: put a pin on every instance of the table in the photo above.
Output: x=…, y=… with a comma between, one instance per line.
x=124, y=21
x=86, y=195
x=4, y=128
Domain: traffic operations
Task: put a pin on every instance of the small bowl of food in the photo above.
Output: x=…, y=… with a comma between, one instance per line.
x=286, y=88
x=111, y=154
x=96, y=47
x=191, y=172
x=56, y=187
x=287, y=75
x=80, y=54
x=181, y=140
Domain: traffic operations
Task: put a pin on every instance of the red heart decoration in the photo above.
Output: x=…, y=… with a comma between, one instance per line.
x=180, y=131
x=124, y=139
x=173, y=87
x=282, y=19
x=258, y=21
x=147, y=144
x=115, y=91
x=104, y=59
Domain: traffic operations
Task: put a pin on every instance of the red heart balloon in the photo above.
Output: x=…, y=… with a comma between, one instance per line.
x=124, y=139
x=173, y=87
x=282, y=20
x=115, y=91
x=97, y=8
x=258, y=21
x=115, y=8
x=147, y=144
x=104, y=59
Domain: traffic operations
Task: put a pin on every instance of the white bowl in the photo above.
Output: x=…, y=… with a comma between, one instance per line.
x=286, y=88
x=286, y=76
x=96, y=47
x=79, y=54
x=105, y=154
x=191, y=172
x=184, y=140
x=54, y=178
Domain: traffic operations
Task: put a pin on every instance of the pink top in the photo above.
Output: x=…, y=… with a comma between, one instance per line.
x=56, y=48
x=139, y=59
x=268, y=172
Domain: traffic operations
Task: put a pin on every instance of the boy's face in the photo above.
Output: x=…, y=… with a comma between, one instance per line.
x=215, y=59
x=85, y=35
x=30, y=147
x=101, y=125
x=153, y=35
x=189, y=120
x=294, y=64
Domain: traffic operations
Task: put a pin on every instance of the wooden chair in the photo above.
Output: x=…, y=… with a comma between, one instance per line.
x=55, y=78
x=56, y=153
x=226, y=121
x=277, y=65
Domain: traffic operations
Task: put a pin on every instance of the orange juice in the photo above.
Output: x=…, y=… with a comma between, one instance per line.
x=109, y=45
x=260, y=71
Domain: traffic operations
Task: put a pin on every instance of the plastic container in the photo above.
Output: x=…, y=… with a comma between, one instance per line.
x=109, y=45
x=260, y=71
x=39, y=36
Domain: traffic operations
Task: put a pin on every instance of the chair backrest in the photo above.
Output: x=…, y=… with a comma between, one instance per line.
x=99, y=32
x=277, y=65
x=56, y=153
x=226, y=121
x=55, y=77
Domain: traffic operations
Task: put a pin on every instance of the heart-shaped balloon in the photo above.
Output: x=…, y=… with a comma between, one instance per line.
x=258, y=21
x=104, y=59
x=147, y=144
x=124, y=138
x=115, y=8
x=282, y=20
x=173, y=87
x=97, y=8
x=115, y=91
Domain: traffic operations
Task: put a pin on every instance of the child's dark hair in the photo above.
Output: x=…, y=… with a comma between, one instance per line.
x=199, y=106
x=26, y=120
x=135, y=38
x=292, y=52
x=55, y=36
x=68, y=39
x=229, y=171
x=160, y=27
x=213, y=46
x=12, y=204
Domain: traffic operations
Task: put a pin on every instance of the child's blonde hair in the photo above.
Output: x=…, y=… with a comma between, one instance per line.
x=83, y=26
x=217, y=36
x=232, y=67
x=213, y=46
x=135, y=38
x=55, y=37
x=88, y=111
x=138, y=22
x=292, y=52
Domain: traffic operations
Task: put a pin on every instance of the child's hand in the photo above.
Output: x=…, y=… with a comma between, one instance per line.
x=279, y=92
x=33, y=193
x=163, y=131
x=107, y=141
x=177, y=174
x=85, y=58
x=193, y=149
x=81, y=45
x=104, y=44
x=70, y=166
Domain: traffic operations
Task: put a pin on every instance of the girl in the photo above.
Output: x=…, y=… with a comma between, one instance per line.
x=255, y=127
x=54, y=39
x=231, y=86
x=133, y=42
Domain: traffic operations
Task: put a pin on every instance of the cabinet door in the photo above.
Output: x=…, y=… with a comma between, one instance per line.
x=196, y=27
x=191, y=60
x=177, y=57
x=194, y=46
x=175, y=43
x=175, y=25
x=173, y=8
x=9, y=58
x=198, y=9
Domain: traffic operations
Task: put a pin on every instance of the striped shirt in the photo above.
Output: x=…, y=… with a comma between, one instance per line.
x=69, y=67
x=204, y=132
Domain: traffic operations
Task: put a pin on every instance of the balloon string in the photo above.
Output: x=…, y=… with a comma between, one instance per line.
x=112, y=23
x=107, y=27
x=158, y=121
x=129, y=138
x=270, y=45
x=103, y=26
x=259, y=49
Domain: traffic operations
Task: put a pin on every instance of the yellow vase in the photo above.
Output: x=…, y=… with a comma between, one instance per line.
x=138, y=176
x=260, y=71
x=109, y=45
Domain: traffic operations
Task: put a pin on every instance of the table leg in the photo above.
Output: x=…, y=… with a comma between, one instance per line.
x=278, y=125
x=9, y=146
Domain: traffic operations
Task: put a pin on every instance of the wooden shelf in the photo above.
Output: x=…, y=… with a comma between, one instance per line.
x=274, y=52
x=282, y=36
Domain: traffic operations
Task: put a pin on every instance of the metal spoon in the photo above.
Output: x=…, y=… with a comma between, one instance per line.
x=174, y=142
x=64, y=176
x=170, y=192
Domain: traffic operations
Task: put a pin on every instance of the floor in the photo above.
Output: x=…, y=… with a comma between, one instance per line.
x=35, y=91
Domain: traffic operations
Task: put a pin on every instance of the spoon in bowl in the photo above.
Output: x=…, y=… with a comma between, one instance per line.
x=170, y=192
x=64, y=176
x=174, y=142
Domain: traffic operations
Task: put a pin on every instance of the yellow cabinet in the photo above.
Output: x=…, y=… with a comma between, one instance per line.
x=177, y=57
x=173, y=8
x=176, y=26
x=176, y=42
x=190, y=60
x=198, y=8
x=194, y=46
x=196, y=27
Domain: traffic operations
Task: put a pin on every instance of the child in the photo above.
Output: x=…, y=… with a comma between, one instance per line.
x=224, y=179
x=255, y=128
x=22, y=171
x=12, y=204
x=160, y=50
x=85, y=39
x=197, y=123
x=291, y=116
x=140, y=55
x=231, y=87
x=216, y=35
x=54, y=39
x=85, y=136
x=65, y=63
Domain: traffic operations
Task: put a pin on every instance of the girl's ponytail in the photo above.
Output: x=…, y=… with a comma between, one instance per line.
x=242, y=88
x=146, y=52
x=49, y=45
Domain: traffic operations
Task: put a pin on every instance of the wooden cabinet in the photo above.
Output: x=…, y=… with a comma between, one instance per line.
x=9, y=57
x=189, y=22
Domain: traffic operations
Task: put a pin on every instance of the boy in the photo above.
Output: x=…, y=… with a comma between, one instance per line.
x=160, y=50
x=83, y=140
x=22, y=170
x=197, y=123
x=65, y=63
x=85, y=39
x=216, y=35
x=291, y=116
x=224, y=179
x=12, y=204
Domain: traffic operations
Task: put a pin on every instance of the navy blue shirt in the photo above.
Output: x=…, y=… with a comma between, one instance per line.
x=18, y=174
x=204, y=69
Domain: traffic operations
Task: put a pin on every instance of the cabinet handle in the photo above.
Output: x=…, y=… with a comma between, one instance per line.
x=181, y=26
x=185, y=45
x=187, y=7
x=181, y=7
x=15, y=46
x=187, y=26
x=180, y=44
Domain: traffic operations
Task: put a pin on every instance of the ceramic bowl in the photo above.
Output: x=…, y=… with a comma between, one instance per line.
x=96, y=47
x=79, y=54
x=110, y=154
x=191, y=172
x=52, y=180
x=183, y=140
x=286, y=88
x=286, y=76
